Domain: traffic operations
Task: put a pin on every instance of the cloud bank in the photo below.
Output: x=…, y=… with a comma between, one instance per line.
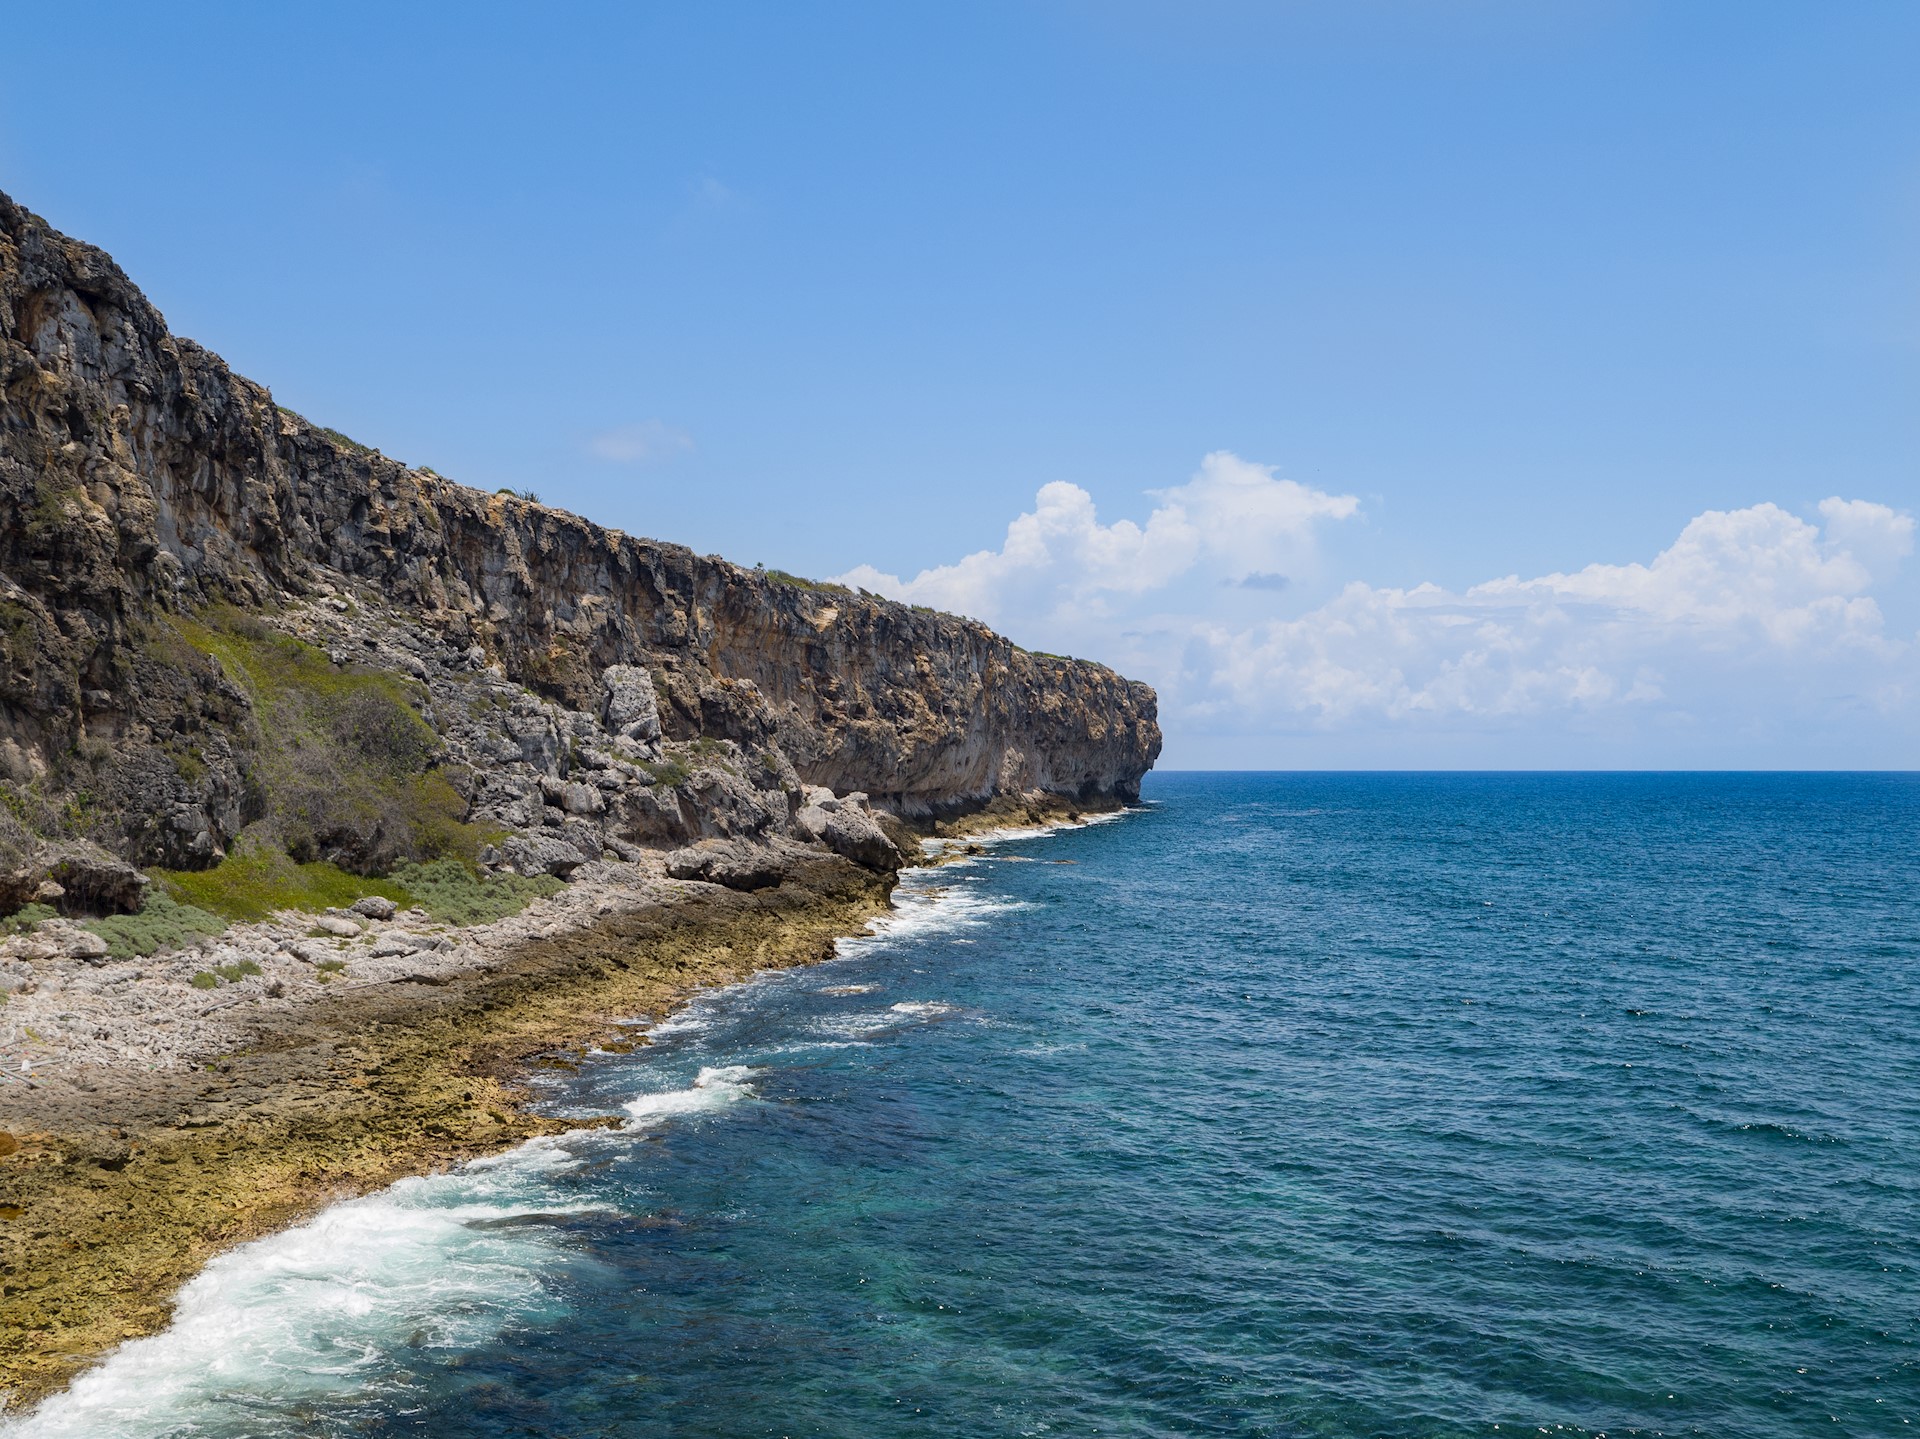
x=1754, y=637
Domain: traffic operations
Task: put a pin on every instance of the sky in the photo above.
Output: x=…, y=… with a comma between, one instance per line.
x=1480, y=384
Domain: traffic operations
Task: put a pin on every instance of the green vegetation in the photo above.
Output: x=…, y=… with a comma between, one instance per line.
x=19, y=632
x=345, y=759
x=253, y=882
x=162, y=923
x=805, y=584
x=207, y=979
x=528, y=495
x=450, y=891
x=346, y=442
x=668, y=772
x=23, y=920
x=53, y=505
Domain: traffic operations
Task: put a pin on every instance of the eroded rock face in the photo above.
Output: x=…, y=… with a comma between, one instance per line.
x=165, y=531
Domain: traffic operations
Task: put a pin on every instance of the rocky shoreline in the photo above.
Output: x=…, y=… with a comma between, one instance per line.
x=334, y=793
x=120, y=1181
x=126, y=1169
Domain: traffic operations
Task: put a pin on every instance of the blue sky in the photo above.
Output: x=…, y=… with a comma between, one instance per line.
x=1453, y=294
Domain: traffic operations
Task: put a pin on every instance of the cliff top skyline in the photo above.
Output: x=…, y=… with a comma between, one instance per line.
x=1388, y=386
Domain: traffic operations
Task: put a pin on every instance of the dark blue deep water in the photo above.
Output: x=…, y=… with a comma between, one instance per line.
x=1288, y=1105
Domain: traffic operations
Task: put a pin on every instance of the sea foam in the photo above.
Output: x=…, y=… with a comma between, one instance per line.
x=317, y=1313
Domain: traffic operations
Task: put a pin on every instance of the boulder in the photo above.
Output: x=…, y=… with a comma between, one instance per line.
x=848, y=828
x=733, y=863
x=577, y=798
x=338, y=925
x=629, y=707
x=535, y=854
x=84, y=944
x=375, y=906
x=94, y=882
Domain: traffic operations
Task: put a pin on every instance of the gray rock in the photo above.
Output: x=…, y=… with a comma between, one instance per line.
x=630, y=707
x=541, y=854
x=582, y=799
x=94, y=882
x=337, y=924
x=542, y=645
x=389, y=945
x=84, y=944
x=732, y=863
x=375, y=906
x=853, y=834
x=847, y=827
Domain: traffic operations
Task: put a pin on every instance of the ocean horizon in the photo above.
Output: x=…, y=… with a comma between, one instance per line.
x=1285, y=1103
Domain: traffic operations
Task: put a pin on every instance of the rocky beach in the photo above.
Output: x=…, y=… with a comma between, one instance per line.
x=337, y=794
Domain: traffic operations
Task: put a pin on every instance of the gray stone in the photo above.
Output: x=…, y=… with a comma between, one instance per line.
x=582, y=799
x=94, y=882
x=630, y=707
x=732, y=863
x=375, y=906
x=84, y=944
x=542, y=854
x=338, y=925
x=853, y=834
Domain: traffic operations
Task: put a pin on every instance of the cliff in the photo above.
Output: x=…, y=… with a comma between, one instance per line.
x=222, y=625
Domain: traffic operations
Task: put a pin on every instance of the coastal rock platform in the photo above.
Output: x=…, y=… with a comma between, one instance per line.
x=122, y=1172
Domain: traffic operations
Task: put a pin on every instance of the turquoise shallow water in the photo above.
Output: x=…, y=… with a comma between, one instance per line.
x=1289, y=1105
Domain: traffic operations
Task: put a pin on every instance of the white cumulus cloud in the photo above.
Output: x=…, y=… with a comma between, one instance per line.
x=1058, y=559
x=1752, y=621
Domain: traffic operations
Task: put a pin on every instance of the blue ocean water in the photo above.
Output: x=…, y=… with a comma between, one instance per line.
x=1285, y=1105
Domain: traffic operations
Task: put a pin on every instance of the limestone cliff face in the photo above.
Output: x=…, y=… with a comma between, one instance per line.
x=164, y=526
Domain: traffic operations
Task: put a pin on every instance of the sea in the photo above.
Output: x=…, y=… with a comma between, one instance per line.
x=1280, y=1105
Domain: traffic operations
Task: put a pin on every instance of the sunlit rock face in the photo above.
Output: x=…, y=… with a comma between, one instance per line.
x=220, y=621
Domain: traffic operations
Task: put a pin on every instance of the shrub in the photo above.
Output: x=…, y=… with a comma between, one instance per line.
x=801, y=583
x=162, y=923
x=254, y=881
x=25, y=918
x=668, y=772
x=346, y=761
x=449, y=891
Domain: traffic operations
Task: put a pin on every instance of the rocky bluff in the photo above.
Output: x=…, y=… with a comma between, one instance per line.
x=225, y=629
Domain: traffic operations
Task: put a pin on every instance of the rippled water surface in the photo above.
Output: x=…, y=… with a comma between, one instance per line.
x=1290, y=1105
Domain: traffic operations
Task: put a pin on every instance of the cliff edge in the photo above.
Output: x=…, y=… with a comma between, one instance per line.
x=225, y=630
